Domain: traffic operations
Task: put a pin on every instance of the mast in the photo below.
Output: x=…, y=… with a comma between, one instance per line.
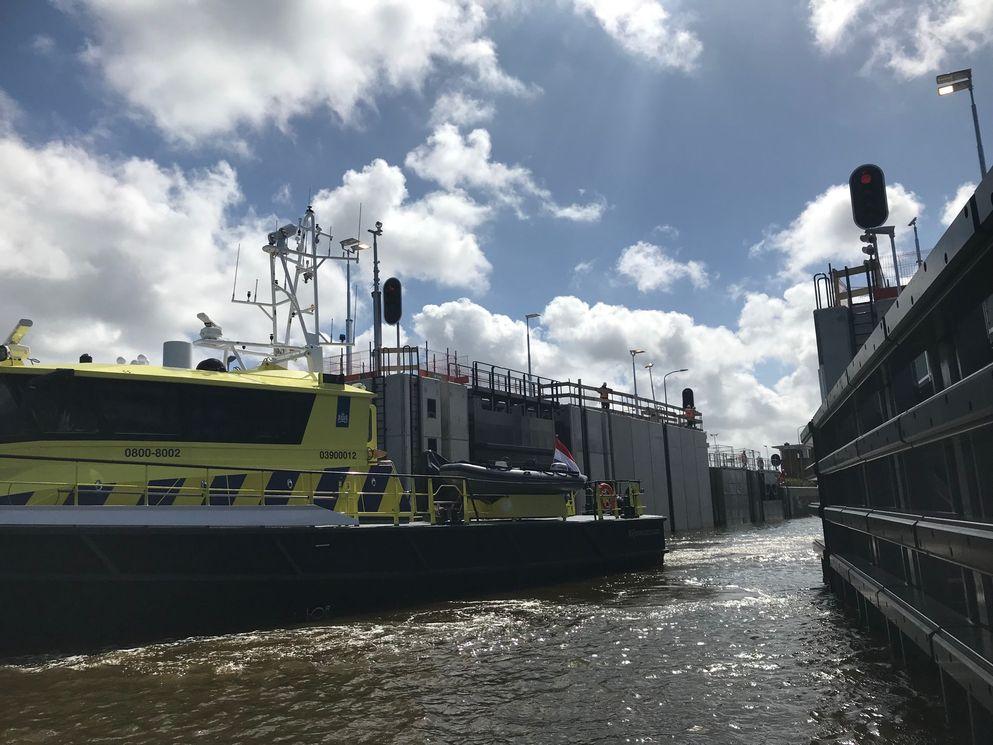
x=300, y=261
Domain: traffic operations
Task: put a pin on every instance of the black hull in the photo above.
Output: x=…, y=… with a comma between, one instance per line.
x=73, y=589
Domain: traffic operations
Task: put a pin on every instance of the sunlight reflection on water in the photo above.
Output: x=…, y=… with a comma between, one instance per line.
x=734, y=641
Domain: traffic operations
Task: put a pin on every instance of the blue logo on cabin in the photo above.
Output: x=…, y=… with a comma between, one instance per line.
x=344, y=409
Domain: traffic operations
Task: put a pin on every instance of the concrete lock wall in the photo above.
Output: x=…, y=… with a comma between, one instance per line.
x=454, y=421
x=691, y=494
x=397, y=421
x=742, y=497
x=509, y=434
x=431, y=415
x=834, y=345
x=798, y=500
x=622, y=447
x=730, y=487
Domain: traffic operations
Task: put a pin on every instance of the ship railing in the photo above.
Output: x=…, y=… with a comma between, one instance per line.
x=427, y=499
x=502, y=384
x=440, y=501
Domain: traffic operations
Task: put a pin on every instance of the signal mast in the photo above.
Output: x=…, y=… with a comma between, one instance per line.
x=291, y=269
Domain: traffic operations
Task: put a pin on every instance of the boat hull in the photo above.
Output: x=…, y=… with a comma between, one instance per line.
x=72, y=588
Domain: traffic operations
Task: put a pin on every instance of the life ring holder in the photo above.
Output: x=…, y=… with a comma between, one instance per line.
x=607, y=496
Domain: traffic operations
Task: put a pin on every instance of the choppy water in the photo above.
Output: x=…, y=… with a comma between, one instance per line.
x=734, y=641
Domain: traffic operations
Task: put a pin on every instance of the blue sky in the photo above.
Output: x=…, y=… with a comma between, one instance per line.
x=645, y=173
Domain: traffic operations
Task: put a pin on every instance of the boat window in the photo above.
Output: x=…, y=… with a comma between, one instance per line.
x=921, y=370
x=65, y=406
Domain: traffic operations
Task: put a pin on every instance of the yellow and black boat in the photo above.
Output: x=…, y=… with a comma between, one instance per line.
x=140, y=502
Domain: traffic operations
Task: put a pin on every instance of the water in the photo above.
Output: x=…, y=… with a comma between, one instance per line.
x=735, y=641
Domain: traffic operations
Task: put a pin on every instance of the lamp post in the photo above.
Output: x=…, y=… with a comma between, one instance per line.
x=634, y=375
x=377, y=296
x=527, y=321
x=665, y=445
x=961, y=80
x=349, y=247
x=651, y=379
x=917, y=241
x=665, y=394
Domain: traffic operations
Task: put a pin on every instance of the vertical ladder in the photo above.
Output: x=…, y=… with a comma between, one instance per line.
x=379, y=391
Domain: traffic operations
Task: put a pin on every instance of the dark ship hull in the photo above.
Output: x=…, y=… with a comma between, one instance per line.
x=72, y=588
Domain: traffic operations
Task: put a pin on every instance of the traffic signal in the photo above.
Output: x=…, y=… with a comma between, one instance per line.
x=392, y=303
x=868, y=190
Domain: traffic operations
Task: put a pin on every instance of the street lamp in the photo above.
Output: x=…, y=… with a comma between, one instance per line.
x=917, y=241
x=651, y=380
x=634, y=374
x=665, y=395
x=349, y=247
x=527, y=321
x=961, y=80
x=377, y=296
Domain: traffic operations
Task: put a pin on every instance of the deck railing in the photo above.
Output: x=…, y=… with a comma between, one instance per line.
x=411, y=497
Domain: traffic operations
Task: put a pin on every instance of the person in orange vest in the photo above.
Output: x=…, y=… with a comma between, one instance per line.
x=605, y=396
x=690, y=414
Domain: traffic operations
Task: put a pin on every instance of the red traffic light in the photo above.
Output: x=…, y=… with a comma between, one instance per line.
x=392, y=301
x=867, y=186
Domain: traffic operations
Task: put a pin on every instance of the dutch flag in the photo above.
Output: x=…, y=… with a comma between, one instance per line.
x=563, y=456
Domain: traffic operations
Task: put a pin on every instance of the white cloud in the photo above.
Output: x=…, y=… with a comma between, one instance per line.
x=911, y=38
x=202, y=69
x=577, y=340
x=666, y=230
x=644, y=28
x=824, y=232
x=460, y=109
x=432, y=238
x=43, y=44
x=831, y=19
x=456, y=161
x=10, y=113
x=588, y=212
x=650, y=268
x=480, y=56
x=120, y=254
x=956, y=202
x=282, y=195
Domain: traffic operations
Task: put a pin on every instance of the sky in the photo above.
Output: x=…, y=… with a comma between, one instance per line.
x=656, y=174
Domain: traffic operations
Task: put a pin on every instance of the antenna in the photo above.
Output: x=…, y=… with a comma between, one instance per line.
x=237, y=261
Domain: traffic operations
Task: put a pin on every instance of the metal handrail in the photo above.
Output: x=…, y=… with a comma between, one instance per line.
x=502, y=381
x=209, y=496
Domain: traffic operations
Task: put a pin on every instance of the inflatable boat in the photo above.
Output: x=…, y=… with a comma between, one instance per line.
x=493, y=482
